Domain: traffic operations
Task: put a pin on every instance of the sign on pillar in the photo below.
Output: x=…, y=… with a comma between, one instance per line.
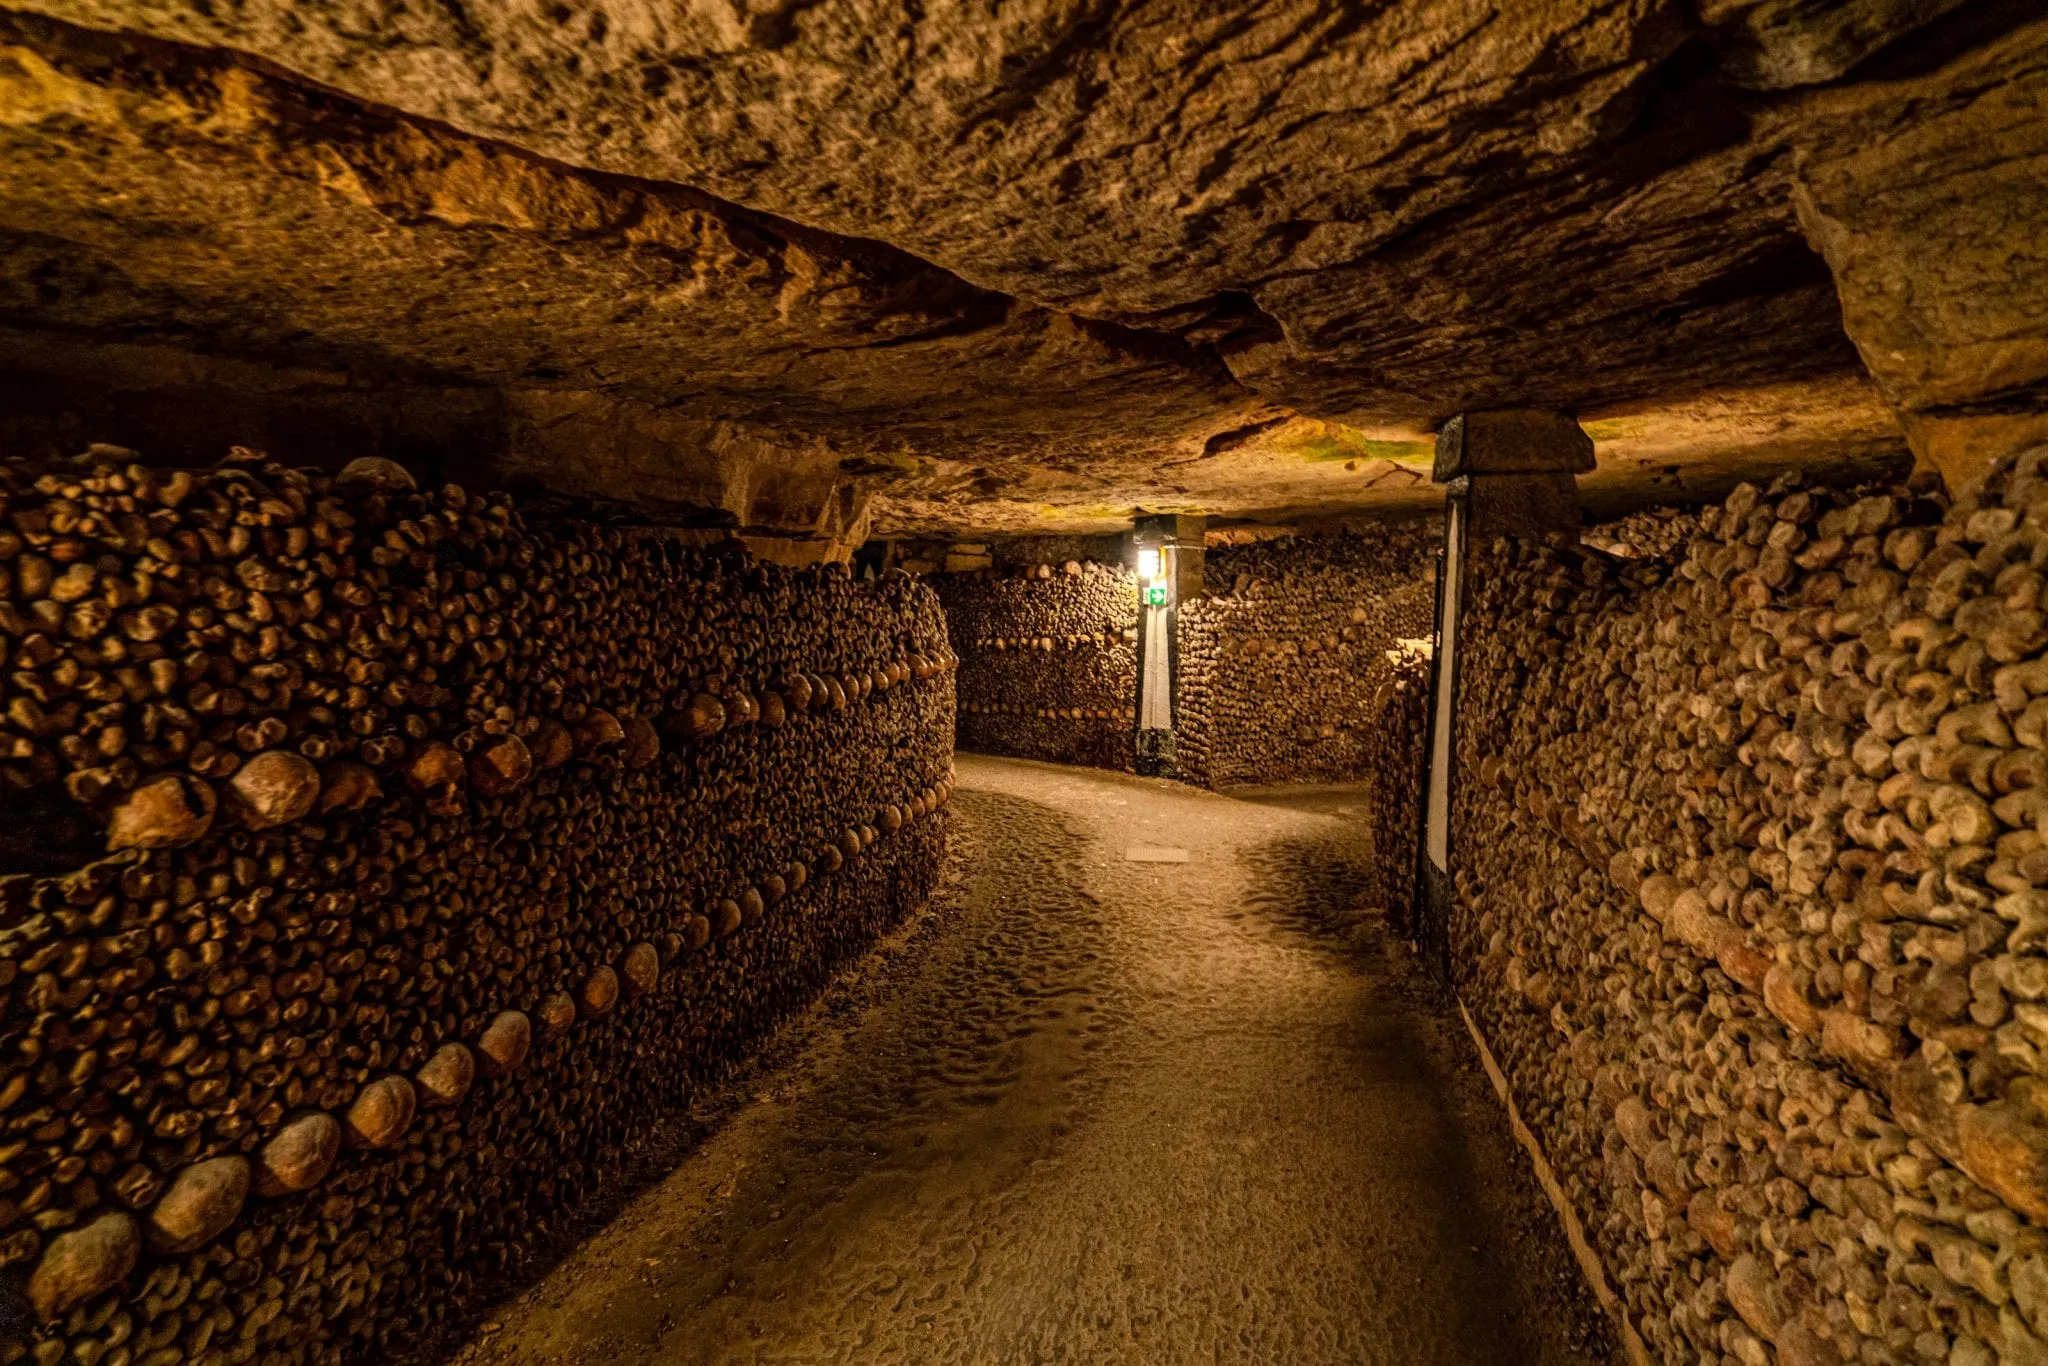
x=1167, y=555
x=1506, y=472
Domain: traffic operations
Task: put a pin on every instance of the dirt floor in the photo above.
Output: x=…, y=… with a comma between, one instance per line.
x=1093, y=1110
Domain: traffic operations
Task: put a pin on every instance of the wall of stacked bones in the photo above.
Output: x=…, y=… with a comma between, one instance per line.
x=438, y=853
x=1751, y=848
x=1393, y=775
x=1284, y=667
x=1048, y=659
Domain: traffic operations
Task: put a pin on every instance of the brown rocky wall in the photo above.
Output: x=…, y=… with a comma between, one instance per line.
x=1284, y=664
x=1752, y=902
x=381, y=865
x=1393, y=778
x=1048, y=660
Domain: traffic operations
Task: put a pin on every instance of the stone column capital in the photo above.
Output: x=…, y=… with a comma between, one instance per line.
x=1511, y=441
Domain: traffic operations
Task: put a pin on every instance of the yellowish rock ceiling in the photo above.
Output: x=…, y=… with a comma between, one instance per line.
x=833, y=266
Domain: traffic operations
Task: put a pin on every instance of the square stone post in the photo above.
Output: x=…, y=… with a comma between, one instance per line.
x=1506, y=472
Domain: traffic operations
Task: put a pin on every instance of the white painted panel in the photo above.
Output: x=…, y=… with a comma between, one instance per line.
x=1155, y=701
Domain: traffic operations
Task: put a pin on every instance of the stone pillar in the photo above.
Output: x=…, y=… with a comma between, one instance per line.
x=1515, y=469
x=1178, y=538
x=1506, y=472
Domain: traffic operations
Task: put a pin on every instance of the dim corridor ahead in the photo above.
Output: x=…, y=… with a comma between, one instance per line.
x=1090, y=1109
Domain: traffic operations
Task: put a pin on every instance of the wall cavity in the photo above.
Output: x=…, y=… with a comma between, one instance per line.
x=1048, y=660
x=425, y=857
x=1750, y=842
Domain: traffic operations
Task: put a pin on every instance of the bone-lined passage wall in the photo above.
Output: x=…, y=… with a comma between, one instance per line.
x=1284, y=665
x=1750, y=845
x=1048, y=660
x=392, y=863
x=1393, y=777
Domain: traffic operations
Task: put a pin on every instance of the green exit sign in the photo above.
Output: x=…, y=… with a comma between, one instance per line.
x=1156, y=595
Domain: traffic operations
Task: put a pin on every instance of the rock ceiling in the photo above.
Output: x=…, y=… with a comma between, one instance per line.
x=831, y=264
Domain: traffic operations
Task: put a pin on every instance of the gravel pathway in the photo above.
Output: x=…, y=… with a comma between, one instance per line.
x=1093, y=1110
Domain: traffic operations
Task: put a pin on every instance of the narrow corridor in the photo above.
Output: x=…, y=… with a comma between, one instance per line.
x=1091, y=1109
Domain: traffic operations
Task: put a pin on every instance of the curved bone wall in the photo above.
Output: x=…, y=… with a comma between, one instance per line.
x=1751, y=859
x=1048, y=660
x=1283, y=662
x=393, y=863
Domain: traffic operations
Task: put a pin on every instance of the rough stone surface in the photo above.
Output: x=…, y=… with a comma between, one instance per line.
x=810, y=264
x=1929, y=204
x=566, y=305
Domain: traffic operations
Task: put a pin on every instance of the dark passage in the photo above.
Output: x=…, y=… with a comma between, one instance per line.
x=1087, y=1109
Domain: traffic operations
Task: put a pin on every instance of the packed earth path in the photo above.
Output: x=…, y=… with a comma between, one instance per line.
x=1092, y=1109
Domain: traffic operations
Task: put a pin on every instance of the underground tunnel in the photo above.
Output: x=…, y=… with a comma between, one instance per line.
x=832, y=681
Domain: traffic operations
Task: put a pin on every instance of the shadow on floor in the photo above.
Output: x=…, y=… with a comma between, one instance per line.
x=1320, y=884
x=1103, y=1112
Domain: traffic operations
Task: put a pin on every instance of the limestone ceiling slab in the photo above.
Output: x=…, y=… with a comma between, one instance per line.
x=1299, y=471
x=1328, y=186
x=1008, y=260
x=160, y=193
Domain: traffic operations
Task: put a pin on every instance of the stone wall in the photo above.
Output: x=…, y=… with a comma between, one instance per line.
x=1752, y=903
x=1393, y=776
x=381, y=866
x=1283, y=662
x=1048, y=660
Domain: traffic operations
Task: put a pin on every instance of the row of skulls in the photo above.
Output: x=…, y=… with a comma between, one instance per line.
x=278, y=786
x=201, y=1202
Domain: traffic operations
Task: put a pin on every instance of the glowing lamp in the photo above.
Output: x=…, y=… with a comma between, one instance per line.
x=1148, y=562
